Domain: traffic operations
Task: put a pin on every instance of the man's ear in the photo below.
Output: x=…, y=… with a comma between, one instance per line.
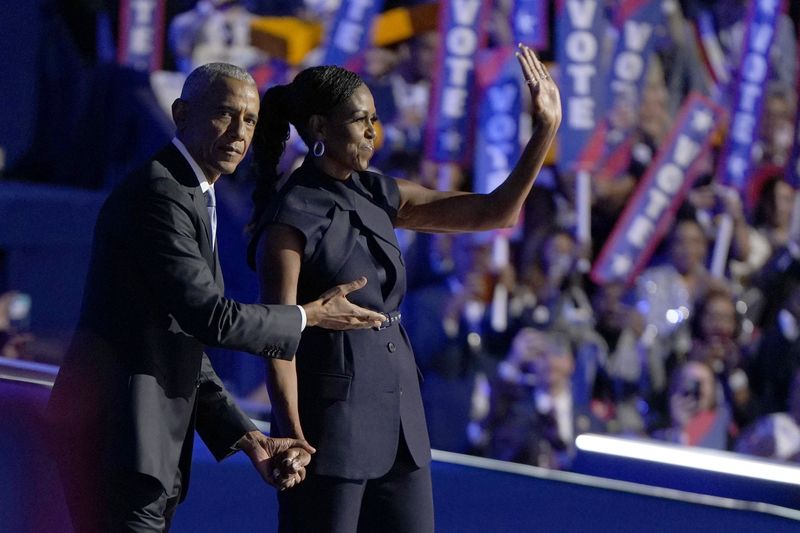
x=179, y=113
x=316, y=126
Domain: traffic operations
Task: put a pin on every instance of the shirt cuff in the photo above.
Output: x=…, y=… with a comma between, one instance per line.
x=302, y=317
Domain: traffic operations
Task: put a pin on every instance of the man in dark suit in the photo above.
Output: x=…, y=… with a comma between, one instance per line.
x=135, y=383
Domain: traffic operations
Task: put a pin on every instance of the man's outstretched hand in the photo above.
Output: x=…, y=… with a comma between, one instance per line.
x=333, y=310
x=280, y=462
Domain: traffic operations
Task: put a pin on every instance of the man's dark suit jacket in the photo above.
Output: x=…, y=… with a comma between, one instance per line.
x=135, y=382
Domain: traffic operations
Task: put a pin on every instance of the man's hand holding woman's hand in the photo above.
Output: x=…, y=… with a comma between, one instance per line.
x=280, y=462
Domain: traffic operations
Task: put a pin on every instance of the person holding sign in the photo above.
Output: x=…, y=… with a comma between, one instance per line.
x=356, y=396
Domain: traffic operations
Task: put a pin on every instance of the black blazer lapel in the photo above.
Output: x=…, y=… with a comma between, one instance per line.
x=217, y=269
x=182, y=171
x=375, y=223
x=374, y=219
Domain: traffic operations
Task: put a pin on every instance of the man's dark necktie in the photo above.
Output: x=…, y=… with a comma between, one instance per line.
x=211, y=203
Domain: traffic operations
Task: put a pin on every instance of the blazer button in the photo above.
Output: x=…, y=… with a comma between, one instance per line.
x=391, y=347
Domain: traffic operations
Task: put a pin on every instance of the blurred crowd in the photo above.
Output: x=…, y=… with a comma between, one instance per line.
x=519, y=350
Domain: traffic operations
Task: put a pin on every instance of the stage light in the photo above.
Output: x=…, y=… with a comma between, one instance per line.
x=689, y=457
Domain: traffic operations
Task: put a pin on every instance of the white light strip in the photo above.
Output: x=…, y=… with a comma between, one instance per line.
x=700, y=458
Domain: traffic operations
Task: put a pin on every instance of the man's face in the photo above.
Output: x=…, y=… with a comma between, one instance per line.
x=610, y=308
x=218, y=126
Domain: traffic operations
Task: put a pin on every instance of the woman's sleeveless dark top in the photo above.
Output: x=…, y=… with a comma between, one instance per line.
x=356, y=388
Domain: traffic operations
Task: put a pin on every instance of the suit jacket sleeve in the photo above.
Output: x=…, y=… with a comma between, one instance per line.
x=166, y=235
x=220, y=422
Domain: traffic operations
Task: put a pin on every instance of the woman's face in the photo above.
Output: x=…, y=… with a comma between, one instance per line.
x=719, y=319
x=784, y=204
x=653, y=111
x=688, y=249
x=349, y=133
x=559, y=254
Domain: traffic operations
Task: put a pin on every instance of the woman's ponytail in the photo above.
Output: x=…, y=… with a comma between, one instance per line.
x=269, y=143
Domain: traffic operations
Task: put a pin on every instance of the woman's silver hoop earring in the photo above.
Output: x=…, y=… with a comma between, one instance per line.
x=319, y=149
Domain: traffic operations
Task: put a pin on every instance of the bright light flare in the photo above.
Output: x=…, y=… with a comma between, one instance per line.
x=699, y=458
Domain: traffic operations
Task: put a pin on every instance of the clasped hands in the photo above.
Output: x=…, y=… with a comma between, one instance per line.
x=281, y=462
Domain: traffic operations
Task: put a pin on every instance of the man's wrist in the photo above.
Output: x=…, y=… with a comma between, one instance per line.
x=247, y=443
x=310, y=313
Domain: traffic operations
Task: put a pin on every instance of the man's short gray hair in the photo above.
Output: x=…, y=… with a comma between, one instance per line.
x=204, y=76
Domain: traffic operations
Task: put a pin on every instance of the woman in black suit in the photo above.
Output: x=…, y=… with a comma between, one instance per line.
x=355, y=395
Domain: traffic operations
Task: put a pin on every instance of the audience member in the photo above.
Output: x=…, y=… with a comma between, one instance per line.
x=777, y=357
x=771, y=218
x=710, y=202
x=649, y=126
x=533, y=417
x=626, y=383
x=667, y=292
x=716, y=335
x=214, y=30
x=461, y=343
x=550, y=289
x=776, y=132
x=773, y=212
x=697, y=409
x=776, y=435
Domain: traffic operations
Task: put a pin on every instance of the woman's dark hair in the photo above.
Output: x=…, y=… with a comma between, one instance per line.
x=314, y=91
x=765, y=205
x=713, y=293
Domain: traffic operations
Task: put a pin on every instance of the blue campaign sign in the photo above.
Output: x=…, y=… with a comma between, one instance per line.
x=651, y=209
x=736, y=159
x=349, y=33
x=529, y=23
x=637, y=21
x=462, y=35
x=581, y=24
x=497, y=146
